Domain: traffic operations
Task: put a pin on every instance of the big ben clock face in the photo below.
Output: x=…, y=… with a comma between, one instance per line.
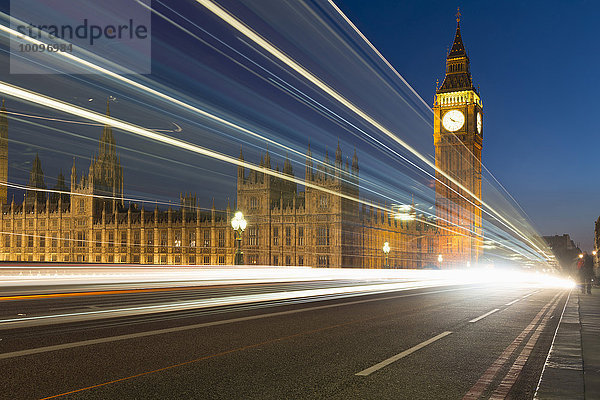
x=479, y=123
x=453, y=120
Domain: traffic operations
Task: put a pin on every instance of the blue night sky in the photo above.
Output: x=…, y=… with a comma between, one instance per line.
x=537, y=66
x=535, y=62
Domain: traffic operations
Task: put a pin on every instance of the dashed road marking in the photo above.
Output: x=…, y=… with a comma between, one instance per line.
x=484, y=315
x=405, y=353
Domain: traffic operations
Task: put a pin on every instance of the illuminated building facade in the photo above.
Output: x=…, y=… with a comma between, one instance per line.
x=314, y=227
x=91, y=222
x=458, y=139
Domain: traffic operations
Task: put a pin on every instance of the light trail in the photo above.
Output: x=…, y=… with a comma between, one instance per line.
x=263, y=43
x=95, y=141
x=414, y=92
x=144, y=88
x=180, y=103
x=367, y=282
x=98, y=196
x=70, y=121
x=279, y=82
x=81, y=112
x=332, y=113
x=90, y=65
x=106, y=120
x=220, y=120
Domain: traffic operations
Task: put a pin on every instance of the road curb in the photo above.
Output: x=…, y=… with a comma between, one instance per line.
x=562, y=377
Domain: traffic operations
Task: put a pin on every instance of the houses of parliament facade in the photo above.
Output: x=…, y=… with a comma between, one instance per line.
x=89, y=221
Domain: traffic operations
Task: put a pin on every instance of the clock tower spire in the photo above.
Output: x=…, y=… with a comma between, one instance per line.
x=458, y=139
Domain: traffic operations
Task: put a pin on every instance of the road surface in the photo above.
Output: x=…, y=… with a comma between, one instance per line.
x=445, y=342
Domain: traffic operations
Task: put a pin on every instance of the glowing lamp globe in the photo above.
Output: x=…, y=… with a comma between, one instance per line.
x=238, y=222
x=386, y=247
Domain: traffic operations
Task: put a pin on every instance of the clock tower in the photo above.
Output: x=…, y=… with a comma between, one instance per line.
x=458, y=138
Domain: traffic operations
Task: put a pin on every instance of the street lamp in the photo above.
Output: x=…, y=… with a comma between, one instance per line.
x=386, y=251
x=238, y=223
x=440, y=259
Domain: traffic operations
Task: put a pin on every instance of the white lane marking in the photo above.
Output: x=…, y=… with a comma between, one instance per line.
x=201, y=325
x=405, y=353
x=485, y=315
x=521, y=298
x=527, y=295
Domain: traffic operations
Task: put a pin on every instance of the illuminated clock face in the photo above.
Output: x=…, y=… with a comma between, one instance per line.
x=479, y=123
x=453, y=120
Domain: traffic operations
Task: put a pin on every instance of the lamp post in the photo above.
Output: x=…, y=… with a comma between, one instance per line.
x=238, y=223
x=386, y=251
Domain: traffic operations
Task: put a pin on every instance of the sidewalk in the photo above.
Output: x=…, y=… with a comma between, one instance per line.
x=589, y=314
x=573, y=368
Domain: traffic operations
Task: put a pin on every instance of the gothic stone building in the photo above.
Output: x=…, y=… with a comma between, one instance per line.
x=89, y=221
x=314, y=227
x=288, y=224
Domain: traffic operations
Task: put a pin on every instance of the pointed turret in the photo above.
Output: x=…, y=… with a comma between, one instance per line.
x=36, y=181
x=287, y=166
x=458, y=49
x=355, y=163
x=241, y=171
x=326, y=164
x=308, y=170
x=107, y=140
x=338, y=156
x=73, y=176
x=458, y=72
x=267, y=159
x=60, y=187
x=106, y=174
x=213, y=211
x=3, y=154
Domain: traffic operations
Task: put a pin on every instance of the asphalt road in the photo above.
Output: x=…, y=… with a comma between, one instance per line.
x=431, y=343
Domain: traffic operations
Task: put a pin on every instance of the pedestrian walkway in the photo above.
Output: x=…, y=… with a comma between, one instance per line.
x=572, y=370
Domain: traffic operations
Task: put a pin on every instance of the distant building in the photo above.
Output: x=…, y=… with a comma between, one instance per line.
x=564, y=249
x=597, y=245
